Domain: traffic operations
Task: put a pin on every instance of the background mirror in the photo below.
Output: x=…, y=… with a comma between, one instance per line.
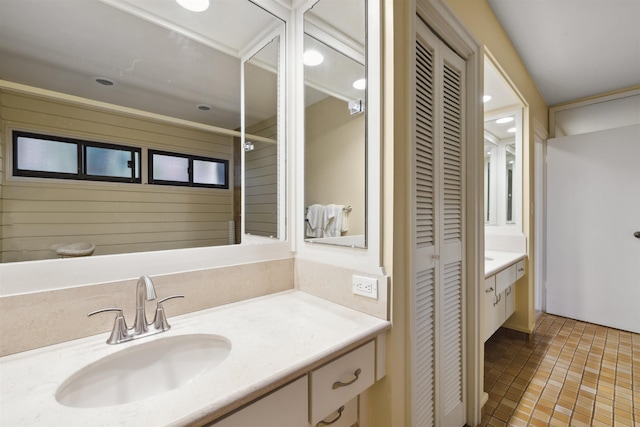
x=499, y=169
x=502, y=148
x=335, y=123
x=164, y=79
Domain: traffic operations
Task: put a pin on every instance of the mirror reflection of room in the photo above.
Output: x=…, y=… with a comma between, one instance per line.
x=155, y=90
x=499, y=169
x=335, y=123
x=502, y=145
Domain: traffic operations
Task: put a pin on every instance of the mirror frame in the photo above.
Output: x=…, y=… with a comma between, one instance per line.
x=363, y=259
x=47, y=275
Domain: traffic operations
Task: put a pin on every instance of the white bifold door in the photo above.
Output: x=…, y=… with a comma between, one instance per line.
x=593, y=227
x=437, y=234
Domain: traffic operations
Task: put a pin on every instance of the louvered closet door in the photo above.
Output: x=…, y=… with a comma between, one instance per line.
x=437, y=234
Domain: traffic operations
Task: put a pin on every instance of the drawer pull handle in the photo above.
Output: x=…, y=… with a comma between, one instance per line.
x=339, y=384
x=487, y=291
x=498, y=299
x=328, y=423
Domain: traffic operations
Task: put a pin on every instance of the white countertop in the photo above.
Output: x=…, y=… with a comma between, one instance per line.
x=496, y=261
x=274, y=338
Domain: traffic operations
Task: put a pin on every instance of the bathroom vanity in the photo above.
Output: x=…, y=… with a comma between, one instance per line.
x=502, y=270
x=292, y=359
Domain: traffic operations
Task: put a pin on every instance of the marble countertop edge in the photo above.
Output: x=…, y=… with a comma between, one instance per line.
x=500, y=260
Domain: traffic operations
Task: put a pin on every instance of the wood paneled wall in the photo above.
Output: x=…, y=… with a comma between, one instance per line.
x=118, y=218
x=261, y=182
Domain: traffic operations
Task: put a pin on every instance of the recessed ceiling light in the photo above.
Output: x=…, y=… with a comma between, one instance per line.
x=104, y=81
x=312, y=58
x=511, y=130
x=203, y=107
x=360, y=84
x=194, y=5
x=504, y=120
x=486, y=98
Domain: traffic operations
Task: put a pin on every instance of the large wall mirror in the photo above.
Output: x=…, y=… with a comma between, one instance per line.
x=335, y=127
x=502, y=155
x=185, y=106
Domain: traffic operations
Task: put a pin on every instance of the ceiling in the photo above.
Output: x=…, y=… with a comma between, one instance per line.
x=160, y=57
x=574, y=48
x=163, y=58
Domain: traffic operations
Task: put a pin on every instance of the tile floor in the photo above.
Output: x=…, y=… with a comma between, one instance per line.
x=571, y=373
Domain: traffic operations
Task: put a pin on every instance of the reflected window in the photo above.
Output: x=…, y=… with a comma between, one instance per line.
x=46, y=156
x=186, y=170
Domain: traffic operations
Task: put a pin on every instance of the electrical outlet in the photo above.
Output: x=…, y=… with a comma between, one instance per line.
x=365, y=286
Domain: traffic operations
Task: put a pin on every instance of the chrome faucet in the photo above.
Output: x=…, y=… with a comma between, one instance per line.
x=145, y=291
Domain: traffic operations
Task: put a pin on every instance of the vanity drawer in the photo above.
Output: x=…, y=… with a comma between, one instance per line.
x=505, y=278
x=520, y=269
x=285, y=407
x=345, y=416
x=336, y=383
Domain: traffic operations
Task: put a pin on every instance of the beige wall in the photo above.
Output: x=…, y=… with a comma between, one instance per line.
x=334, y=159
x=116, y=217
x=478, y=17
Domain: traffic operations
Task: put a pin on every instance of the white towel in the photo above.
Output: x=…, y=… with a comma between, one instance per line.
x=316, y=221
x=337, y=223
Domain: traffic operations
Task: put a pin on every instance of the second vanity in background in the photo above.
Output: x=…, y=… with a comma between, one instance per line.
x=502, y=270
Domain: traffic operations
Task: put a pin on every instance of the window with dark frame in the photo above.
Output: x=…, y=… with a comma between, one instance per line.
x=168, y=168
x=47, y=156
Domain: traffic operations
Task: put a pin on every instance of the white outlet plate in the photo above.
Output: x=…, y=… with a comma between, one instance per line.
x=365, y=286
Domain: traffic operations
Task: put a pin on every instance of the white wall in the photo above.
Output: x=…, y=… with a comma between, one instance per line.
x=593, y=209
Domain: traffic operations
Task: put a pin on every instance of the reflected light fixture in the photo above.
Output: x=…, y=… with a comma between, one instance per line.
x=504, y=120
x=360, y=84
x=312, y=58
x=511, y=130
x=194, y=5
x=104, y=81
x=486, y=98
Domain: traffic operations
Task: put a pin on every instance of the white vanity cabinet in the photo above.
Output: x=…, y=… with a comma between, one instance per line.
x=285, y=407
x=325, y=396
x=336, y=383
x=499, y=302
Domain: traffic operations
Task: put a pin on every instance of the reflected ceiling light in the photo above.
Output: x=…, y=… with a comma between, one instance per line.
x=360, y=84
x=312, y=58
x=486, y=98
x=194, y=5
x=511, y=130
x=504, y=120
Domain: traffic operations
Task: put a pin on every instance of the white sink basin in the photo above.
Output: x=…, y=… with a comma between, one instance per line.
x=143, y=370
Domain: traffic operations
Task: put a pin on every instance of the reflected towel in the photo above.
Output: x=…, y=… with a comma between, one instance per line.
x=316, y=221
x=337, y=221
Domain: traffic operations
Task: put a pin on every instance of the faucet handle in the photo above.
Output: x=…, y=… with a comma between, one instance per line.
x=160, y=320
x=119, y=333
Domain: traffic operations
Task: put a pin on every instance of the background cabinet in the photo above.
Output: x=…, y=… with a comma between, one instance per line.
x=499, y=297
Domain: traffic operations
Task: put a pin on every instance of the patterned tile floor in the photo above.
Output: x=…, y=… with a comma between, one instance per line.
x=571, y=373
